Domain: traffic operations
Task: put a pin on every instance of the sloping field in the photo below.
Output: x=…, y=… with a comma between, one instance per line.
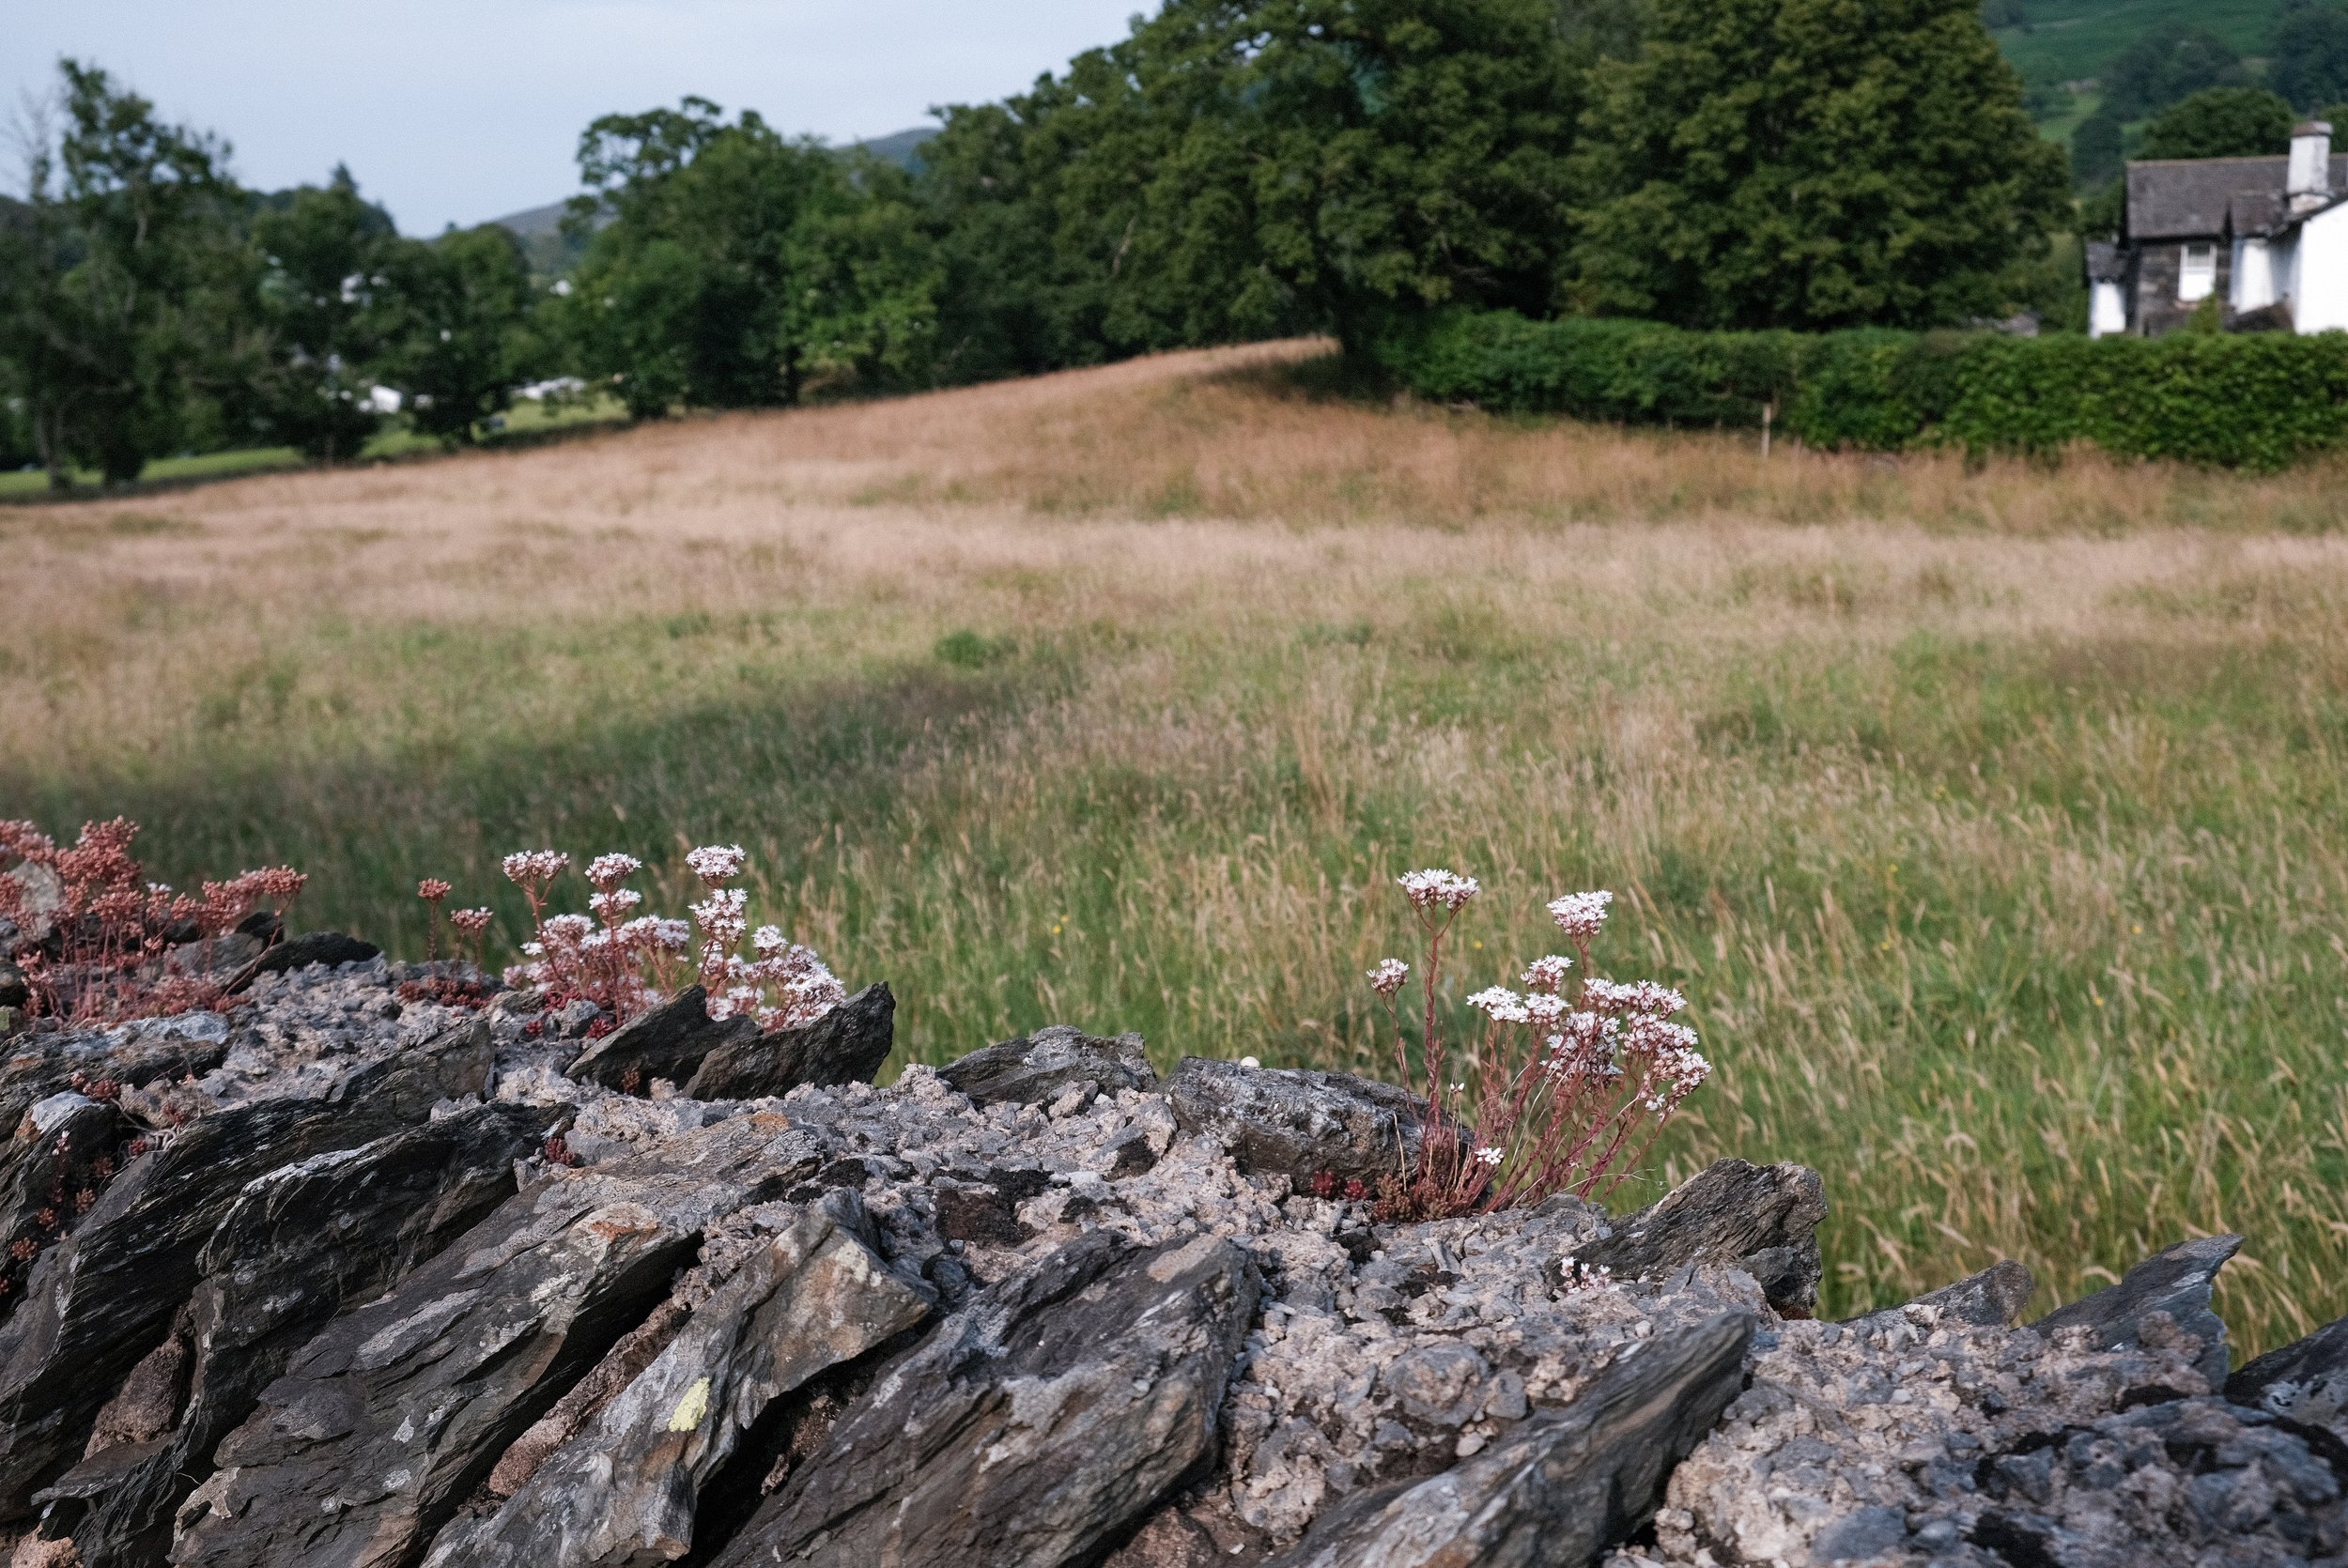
x=1995, y=821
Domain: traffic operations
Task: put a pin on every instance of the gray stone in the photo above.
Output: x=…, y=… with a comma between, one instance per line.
x=2176, y=1280
x=622, y=1493
x=1556, y=1489
x=671, y=1042
x=2305, y=1381
x=386, y=1422
x=1763, y=1218
x=1034, y=1426
x=847, y=1045
x=298, y=1245
x=1298, y=1123
x=1992, y=1299
x=100, y=1301
x=327, y=947
x=1037, y=1068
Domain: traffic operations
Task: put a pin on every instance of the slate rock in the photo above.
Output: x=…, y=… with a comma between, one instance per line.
x=15, y=990
x=621, y=1494
x=386, y=1422
x=1297, y=1122
x=98, y=1301
x=331, y=949
x=2177, y=1281
x=298, y=1244
x=847, y=1045
x=1559, y=1488
x=2306, y=1381
x=668, y=1042
x=1763, y=1218
x=1993, y=1299
x=1037, y=1068
x=1035, y=1425
x=979, y=1213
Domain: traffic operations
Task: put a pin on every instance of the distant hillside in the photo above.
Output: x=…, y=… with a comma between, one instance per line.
x=2062, y=41
x=552, y=252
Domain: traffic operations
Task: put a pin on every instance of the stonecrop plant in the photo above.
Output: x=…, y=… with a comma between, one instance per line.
x=1569, y=1085
x=107, y=944
x=627, y=962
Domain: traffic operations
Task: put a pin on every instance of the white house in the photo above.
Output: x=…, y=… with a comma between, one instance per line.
x=2267, y=237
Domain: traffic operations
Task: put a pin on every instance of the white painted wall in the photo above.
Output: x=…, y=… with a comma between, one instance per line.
x=2320, y=286
x=2253, y=275
x=2107, y=310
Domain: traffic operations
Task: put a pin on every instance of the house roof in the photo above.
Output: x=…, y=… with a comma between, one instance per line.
x=2105, y=264
x=2193, y=198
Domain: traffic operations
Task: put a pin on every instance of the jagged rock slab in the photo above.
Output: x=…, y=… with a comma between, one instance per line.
x=102, y=1299
x=386, y=1422
x=1297, y=1122
x=1559, y=1488
x=668, y=1042
x=1037, y=1068
x=58, y=1156
x=2176, y=1280
x=298, y=1244
x=1992, y=1299
x=2305, y=1381
x=622, y=1493
x=1763, y=1218
x=847, y=1045
x=1033, y=1426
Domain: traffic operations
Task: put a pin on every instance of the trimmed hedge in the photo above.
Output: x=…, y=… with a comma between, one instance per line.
x=2248, y=401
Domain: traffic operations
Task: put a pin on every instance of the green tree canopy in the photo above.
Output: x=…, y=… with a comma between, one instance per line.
x=2168, y=63
x=1810, y=163
x=322, y=253
x=2309, y=55
x=2221, y=122
x=453, y=317
x=127, y=225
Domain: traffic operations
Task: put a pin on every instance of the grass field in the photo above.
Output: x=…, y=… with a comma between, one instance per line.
x=1995, y=820
x=525, y=422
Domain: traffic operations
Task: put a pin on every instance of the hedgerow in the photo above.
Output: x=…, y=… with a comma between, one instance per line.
x=2248, y=401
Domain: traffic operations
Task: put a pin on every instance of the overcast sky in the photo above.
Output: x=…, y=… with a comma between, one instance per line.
x=460, y=112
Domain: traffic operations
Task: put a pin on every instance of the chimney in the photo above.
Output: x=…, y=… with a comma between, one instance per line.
x=2310, y=182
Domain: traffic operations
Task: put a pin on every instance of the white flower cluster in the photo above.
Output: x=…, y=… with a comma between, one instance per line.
x=1580, y=914
x=609, y=871
x=1388, y=976
x=1548, y=974
x=1488, y=1155
x=1435, y=887
x=627, y=963
x=1501, y=1004
x=717, y=864
x=534, y=867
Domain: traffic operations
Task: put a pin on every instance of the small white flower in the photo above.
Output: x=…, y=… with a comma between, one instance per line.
x=1580, y=914
x=607, y=870
x=716, y=864
x=1436, y=887
x=1388, y=976
x=1488, y=1155
x=1502, y=1005
x=1547, y=974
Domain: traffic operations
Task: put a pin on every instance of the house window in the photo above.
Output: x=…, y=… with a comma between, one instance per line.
x=2197, y=275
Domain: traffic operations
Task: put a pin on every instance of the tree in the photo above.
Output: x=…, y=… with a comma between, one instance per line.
x=1809, y=163
x=2221, y=122
x=128, y=221
x=2168, y=63
x=2309, y=55
x=454, y=316
x=1237, y=169
x=681, y=297
x=2098, y=150
x=322, y=253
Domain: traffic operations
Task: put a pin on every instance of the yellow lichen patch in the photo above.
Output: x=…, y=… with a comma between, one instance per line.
x=690, y=1409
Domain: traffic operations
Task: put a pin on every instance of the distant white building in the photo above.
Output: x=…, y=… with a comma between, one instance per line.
x=2267, y=237
x=384, y=400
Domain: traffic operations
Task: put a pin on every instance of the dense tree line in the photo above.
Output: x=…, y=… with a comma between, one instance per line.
x=1232, y=169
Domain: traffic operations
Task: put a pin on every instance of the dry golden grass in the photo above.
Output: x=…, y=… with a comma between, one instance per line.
x=1993, y=819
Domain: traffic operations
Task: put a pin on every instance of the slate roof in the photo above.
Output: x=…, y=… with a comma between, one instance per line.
x=2192, y=198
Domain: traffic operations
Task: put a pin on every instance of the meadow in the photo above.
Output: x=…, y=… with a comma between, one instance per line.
x=1994, y=818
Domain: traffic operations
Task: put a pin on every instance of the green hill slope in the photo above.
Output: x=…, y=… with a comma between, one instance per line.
x=2062, y=41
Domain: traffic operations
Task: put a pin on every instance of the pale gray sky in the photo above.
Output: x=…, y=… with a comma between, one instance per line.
x=460, y=112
